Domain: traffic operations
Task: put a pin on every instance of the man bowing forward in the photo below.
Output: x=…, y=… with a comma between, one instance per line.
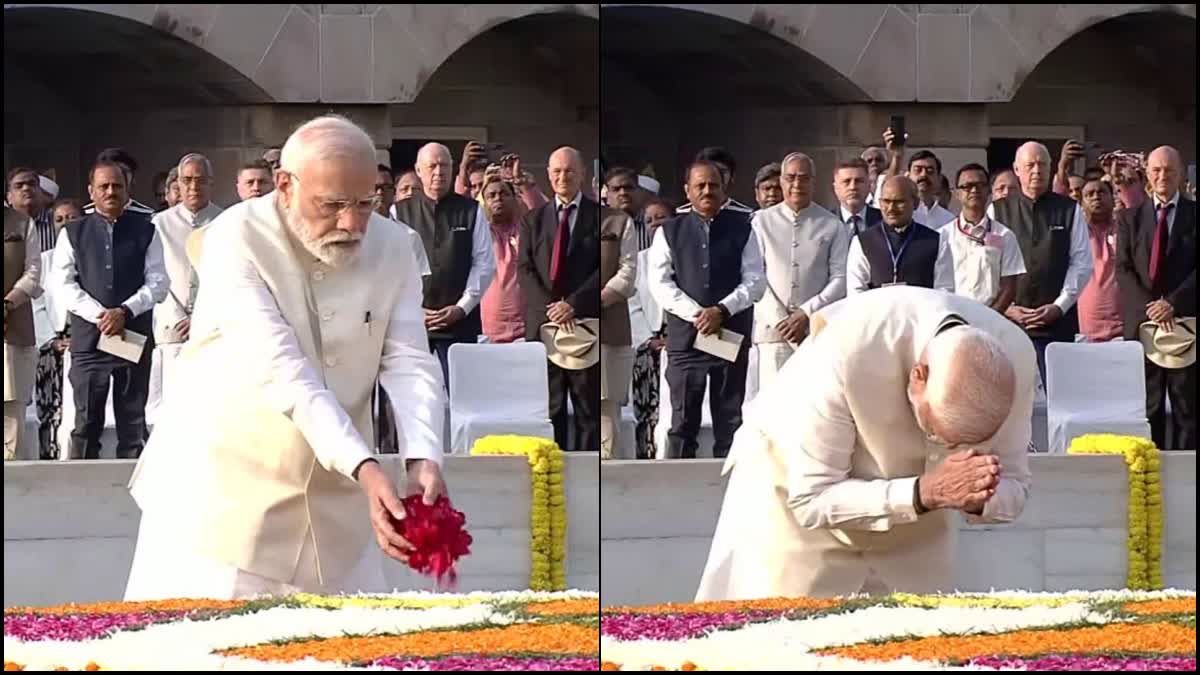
x=905, y=405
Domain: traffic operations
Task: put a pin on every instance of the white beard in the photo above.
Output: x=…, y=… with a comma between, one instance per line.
x=335, y=248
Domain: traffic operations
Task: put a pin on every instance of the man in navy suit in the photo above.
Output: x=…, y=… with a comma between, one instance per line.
x=851, y=186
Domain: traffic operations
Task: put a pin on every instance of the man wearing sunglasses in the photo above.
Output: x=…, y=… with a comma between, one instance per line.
x=261, y=477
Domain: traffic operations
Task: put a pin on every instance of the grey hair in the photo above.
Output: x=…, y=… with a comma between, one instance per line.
x=972, y=384
x=325, y=138
x=1042, y=151
x=430, y=147
x=798, y=157
x=193, y=158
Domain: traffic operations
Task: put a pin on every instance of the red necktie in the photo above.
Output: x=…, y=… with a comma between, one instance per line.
x=1158, y=251
x=558, y=261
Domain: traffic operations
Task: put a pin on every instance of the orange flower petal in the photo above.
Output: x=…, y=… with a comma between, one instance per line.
x=561, y=638
x=1170, y=606
x=565, y=607
x=1158, y=638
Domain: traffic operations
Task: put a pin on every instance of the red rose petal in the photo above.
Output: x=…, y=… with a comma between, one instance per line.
x=438, y=535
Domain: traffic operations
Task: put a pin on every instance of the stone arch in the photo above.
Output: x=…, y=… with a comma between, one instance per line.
x=982, y=52
x=360, y=53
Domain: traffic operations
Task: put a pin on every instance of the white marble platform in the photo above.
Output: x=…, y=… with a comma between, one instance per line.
x=70, y=527
x=658, y=518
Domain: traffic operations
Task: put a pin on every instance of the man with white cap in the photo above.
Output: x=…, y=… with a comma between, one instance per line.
x=45, y=218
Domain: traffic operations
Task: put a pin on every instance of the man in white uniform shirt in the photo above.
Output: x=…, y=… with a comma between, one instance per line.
x=979, y=257
x=260, y=476
x=804, y=249
x=173, y=316
x=904, y=406
x=925, y=169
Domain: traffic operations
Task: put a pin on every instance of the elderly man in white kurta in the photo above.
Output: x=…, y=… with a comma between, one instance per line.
x=905, y=405
x=173, y=316
x=804, y=248
x=254, y=479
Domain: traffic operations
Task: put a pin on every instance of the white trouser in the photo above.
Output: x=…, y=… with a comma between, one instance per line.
x=615, y=373
x=766, y=359
x=164, y=567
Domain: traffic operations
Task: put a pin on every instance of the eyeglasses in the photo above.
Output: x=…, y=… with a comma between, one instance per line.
x=334, y=208
x=194, y=180
x=976, y=187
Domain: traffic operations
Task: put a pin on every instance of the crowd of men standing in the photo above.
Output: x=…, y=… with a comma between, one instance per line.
x=1108, y=254
x=499, y=261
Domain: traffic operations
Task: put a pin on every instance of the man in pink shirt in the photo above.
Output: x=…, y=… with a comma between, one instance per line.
x=503, y=305
x=1099, y=304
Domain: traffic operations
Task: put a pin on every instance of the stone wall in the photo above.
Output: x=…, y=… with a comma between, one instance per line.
x=655, y=541
x=70, y=527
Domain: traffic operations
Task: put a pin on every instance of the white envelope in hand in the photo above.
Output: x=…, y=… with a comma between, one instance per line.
x=724, y=344
x=128, y=346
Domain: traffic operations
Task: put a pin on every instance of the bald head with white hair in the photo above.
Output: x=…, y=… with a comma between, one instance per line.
x=1164, y=170
x=796, y=175
x=1032, y=166
x=325, y=187
x=963, y=387
x=195, y=177
x=566, y=172
x=435, y=169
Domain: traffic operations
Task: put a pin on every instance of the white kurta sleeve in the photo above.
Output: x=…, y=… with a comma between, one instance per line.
x=155, y=280
x=943, y=268
x=1079, y=269
x=858, y=269
x=661, y=271
x=411, y=375
x=821, y=493
x=754, y=282
x=483, y=264
x=835, y=288
x=65, y=278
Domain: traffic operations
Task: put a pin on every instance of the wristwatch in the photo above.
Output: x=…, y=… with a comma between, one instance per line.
x=128, y=312
x=724, y=312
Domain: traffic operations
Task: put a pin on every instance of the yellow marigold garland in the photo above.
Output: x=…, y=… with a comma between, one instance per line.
x=548, y=508
x=1145, y=501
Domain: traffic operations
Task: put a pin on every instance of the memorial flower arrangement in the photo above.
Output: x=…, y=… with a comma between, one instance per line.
x=1106, y=630
x=1145, y=501
x=406, y=631
x=547, y=509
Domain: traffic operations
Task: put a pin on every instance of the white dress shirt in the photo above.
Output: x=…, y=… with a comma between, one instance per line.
x=972, y=266
x=933, y=217
x=77, y=301
x=483, y=264
x=674, y=300
x=1079, y=269
x=846, y=216
x=645, y=314
x=624, y=282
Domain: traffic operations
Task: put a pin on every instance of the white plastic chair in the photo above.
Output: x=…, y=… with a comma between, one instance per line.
x=1094, y=388
x=498, y=389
